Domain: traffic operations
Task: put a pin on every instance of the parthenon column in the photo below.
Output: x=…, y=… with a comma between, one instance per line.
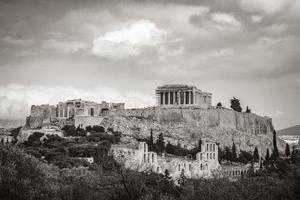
x=166, y=99
x=174, y=100
x=184, y=97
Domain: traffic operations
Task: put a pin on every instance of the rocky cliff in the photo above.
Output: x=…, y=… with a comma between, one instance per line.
x=188, y=124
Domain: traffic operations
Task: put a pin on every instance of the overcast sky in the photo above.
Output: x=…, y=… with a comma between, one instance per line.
x=120, y=51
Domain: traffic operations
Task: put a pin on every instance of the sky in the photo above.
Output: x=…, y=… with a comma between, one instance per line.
x=121, y=50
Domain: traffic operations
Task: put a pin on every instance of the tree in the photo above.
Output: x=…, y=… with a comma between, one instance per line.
x=245, y=157
x=219, y=154
x=170, y=148
x=34, y=140
x=255, y=155
x=228, y=154
x=287, y=150
x=275, y=153
x=160, y=144
x=294, y=156
x=235, y=104
x=248, y=110
x=151, y=143
x=219, y=105
x=267, y=158
x=182, y=179
x=234, y=155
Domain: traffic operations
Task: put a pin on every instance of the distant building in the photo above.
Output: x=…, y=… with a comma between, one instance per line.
x=87, y=159
x=5, y=139
x=5, y=136
x=182, y=95
x=236, y=170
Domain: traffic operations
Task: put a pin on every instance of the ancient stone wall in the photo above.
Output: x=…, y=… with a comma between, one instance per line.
x=84, y=121
x=40, y=115
x=201, y=117
x=142, y=160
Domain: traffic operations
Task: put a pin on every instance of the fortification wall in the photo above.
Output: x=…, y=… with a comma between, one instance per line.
x=206, y=118
x=39, y=116
x=84, y=121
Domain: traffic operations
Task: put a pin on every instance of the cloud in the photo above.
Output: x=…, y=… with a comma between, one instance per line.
x=16, y=99
x=129, y=40
x=17, y=41
x=278, y=113
x=64, y=46
x=225, y=19
x=218, y=18
x=263, y=6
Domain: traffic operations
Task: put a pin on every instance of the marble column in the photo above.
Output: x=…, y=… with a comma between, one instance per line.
x=184, y=97
x=174, y=100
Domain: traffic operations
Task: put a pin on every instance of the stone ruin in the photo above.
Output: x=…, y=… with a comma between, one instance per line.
x=141, y=159
x=76, y=112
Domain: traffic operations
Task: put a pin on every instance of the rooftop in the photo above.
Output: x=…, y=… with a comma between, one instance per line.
x=176, y=86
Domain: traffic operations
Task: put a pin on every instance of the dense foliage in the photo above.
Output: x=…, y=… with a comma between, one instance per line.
x=235, y=104
x=66, y=152
x=25, y=177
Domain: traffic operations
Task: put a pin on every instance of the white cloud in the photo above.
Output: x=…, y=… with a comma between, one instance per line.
x=225, y=19
x=278, y=113
x=263, y=6
x=63, y=46
x=17, y=41
x=129, y=40
x=15, y=99
x=256, y=18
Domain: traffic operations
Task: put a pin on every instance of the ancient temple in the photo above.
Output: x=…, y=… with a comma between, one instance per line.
x=179, y=95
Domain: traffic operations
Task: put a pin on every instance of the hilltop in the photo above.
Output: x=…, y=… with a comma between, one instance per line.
x=293, y=130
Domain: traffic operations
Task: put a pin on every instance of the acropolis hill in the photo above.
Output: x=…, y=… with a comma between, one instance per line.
x=183, y=114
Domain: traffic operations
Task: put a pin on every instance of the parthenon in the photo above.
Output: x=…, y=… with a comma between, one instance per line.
x=179, y=95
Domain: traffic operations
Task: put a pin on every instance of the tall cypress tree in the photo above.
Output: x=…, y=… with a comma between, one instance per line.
x=160, y=144
x=234, y=156
x=219, y=154
x=255, y=155
x=151, y=142
x=287, y=150
x=275, y=150
x=294, y=156
x=267, y=156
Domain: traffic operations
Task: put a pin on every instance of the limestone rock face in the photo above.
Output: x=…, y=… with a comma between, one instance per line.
x=187, y=125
